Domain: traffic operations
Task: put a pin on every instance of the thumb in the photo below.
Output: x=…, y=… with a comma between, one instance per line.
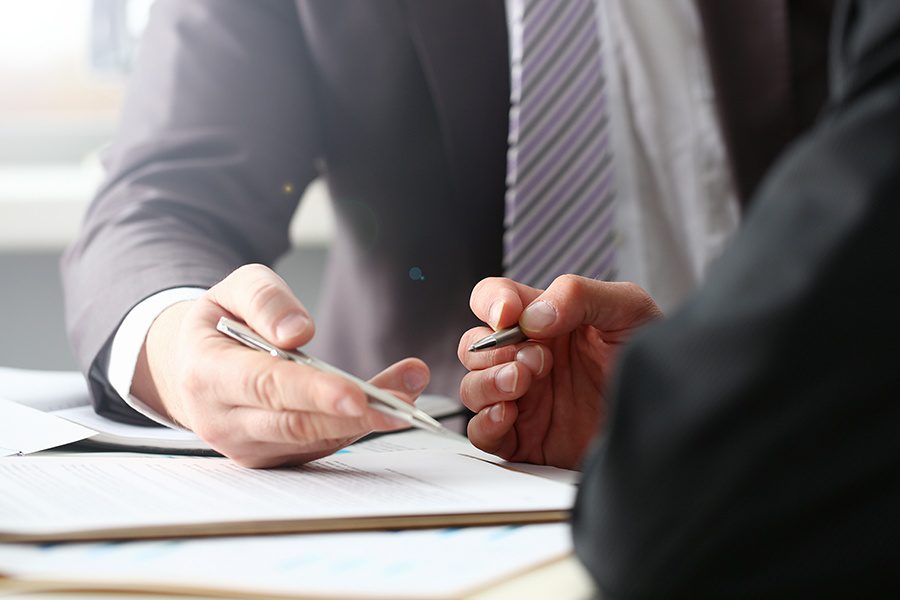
x=262, y=299
x=572, y=301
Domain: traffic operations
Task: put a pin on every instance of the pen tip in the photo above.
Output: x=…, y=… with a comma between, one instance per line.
x=482, y=344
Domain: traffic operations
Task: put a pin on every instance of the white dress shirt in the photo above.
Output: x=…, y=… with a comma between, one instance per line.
x=676, y=205
x=129, y=338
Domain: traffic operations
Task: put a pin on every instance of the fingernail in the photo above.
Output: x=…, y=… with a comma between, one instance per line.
x=496, y=412
x=414, y=380
x=532, y=356
x=506, y=378
x=291, y=326
x=538, y=316
x=495, y=312
x=349, y=407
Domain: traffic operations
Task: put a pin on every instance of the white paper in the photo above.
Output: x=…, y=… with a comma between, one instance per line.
x=112, y=492
x=406, y=564
x=416, y=439
x=24, y=430
x=131, y=436
x=44, y=390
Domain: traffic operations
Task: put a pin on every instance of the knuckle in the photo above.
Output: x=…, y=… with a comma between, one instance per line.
x=247, y=275
x=486, y=283
x=318, y=389
x=479, y=437
x=373, y=422
x=462, y=351
x=580, y=298
x=251, y=271
x=487, y=386
x=569, y=286
x=262, y=295
x=297, y=427
x=250, y=460
x=477, y=291
x=190, y=384
x=263, y=386
x=465, y=391
x=501, y=355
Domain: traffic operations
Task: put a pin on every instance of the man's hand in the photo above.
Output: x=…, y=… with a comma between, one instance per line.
x=543, y=401
x=258, y=410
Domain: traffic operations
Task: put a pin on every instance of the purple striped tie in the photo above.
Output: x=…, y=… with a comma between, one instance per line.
x=559, y=201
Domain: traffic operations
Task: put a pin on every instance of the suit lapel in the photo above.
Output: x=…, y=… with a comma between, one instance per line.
x=769, y=62
x=748, y=45
x=463, y=50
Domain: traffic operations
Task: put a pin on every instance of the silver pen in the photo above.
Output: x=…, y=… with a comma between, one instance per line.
x=500, y=338
x=379, y=399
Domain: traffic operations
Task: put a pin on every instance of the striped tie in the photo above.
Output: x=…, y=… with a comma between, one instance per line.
x=559, y=201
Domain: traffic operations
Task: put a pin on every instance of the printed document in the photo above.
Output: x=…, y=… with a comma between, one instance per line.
x=90, y=497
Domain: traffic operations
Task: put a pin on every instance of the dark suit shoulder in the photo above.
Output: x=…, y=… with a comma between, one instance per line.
x=751, y=449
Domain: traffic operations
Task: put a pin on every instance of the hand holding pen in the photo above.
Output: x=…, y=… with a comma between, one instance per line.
x=259, y=410
x=379, y=399
x=538, y=392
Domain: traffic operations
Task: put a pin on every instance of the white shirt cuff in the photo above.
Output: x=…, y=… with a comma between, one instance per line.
x=128, y=340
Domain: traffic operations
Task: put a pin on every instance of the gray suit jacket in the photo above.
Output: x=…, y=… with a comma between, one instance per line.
x=403, y=106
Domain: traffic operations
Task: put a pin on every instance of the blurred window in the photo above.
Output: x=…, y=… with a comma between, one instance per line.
x=62, y=67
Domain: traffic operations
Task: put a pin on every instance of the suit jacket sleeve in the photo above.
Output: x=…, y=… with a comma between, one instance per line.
x=752, y=444
x=218, y=138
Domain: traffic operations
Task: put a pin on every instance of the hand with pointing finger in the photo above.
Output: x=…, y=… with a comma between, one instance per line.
x=258, y=410
x=542, y=401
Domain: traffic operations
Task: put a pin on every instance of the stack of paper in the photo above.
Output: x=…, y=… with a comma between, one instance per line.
x=443, y=563
x=410, y=480
x=140, y=497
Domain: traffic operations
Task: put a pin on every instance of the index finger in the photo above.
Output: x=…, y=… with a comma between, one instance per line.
x=498, y=301
x=240, y=376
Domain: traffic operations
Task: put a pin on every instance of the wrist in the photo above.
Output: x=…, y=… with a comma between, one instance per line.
x=154, y=373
